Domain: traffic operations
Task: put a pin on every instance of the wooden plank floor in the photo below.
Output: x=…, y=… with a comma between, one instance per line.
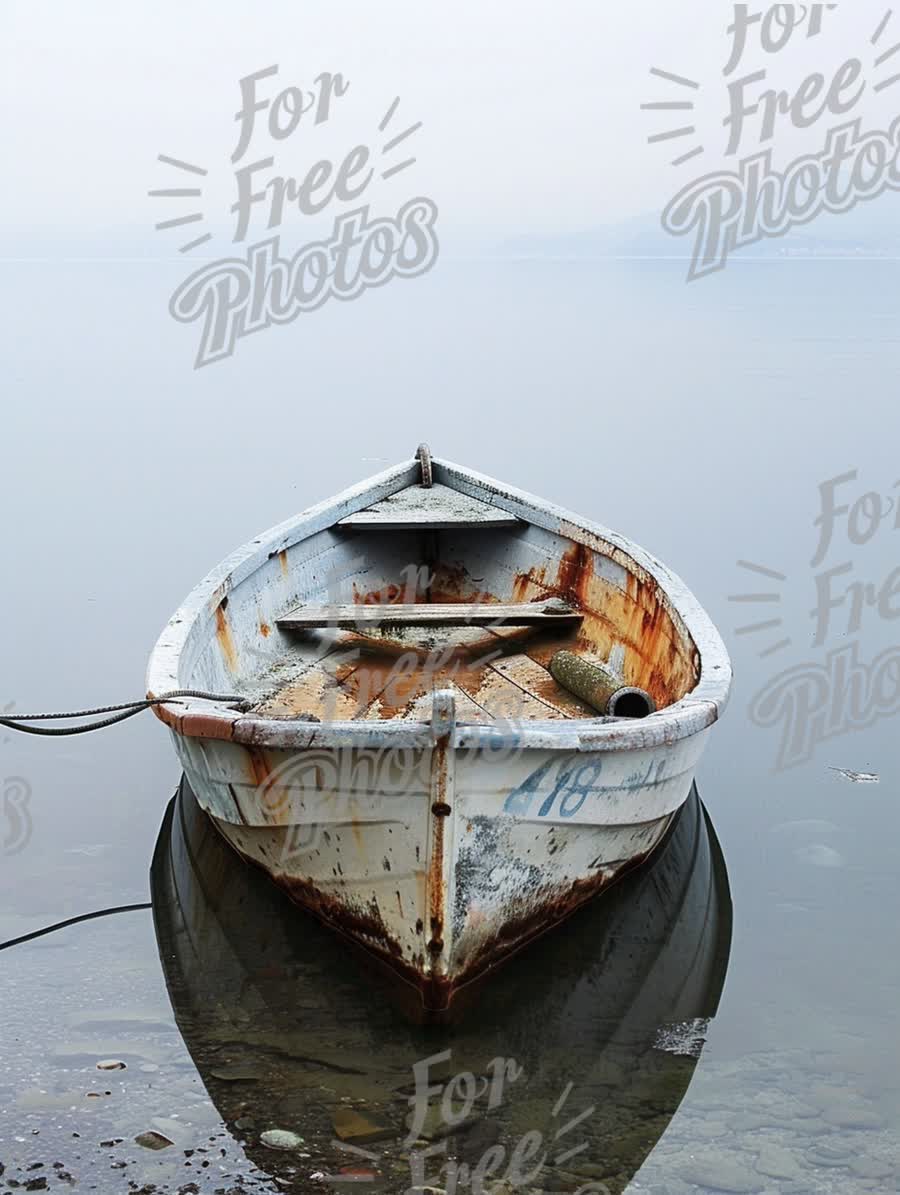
x=369, y=679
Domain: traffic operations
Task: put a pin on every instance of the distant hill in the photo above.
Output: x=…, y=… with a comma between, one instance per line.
x=871, y=229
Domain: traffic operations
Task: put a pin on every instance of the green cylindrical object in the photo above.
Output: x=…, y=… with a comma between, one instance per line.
x=600, y=687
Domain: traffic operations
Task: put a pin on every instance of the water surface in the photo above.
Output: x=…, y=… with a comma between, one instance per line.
x=700, y=421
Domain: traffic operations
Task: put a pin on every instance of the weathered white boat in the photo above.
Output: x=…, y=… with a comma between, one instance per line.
x=399, y=755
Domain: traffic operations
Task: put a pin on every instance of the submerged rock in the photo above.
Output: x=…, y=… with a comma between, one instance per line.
x=280, y=1139
x=350, y=1125
x=719, y=1173
x=852, y=1115
x=776, y=1162
x=153, y=1140
x=829, y=1154
x=434, y=1126
x=870, y=1168
x=237, y=1073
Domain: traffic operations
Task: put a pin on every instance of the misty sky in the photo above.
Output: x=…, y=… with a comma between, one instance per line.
x=531, y=112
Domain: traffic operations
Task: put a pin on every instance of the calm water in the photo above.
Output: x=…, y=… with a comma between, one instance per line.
x=699, y=420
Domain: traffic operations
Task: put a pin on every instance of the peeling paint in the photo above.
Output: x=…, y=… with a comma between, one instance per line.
x=225, y=638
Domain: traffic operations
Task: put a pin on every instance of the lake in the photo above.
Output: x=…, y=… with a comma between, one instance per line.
x=727, y=1018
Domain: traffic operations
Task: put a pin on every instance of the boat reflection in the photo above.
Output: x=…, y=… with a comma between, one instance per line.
x=564, y=1074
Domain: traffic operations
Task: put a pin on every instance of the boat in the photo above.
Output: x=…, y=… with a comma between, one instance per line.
x=603, y=1021
x=440, y=713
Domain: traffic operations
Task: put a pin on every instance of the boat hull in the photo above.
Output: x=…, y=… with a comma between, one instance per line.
x=441, y=863
x=432, y=791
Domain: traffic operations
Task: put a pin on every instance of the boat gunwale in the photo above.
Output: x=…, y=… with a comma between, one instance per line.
x=696, y=710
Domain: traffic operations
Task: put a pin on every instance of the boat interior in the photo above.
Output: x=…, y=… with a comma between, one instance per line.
x=432, y=588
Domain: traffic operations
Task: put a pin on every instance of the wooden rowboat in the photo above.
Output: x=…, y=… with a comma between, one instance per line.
x=406, y=754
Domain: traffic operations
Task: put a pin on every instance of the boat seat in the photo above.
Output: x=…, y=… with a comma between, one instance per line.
x=433, y=508
x=431, y=614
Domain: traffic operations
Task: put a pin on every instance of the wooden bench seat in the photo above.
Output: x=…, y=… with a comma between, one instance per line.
x=431, y=614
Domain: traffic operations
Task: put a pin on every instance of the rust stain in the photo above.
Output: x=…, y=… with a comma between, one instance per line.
x=357, y=833
x=264, y=629
x=576, y=568
x=365, y=924
x=207, y=726
x=198, y=726
x=377, y=677
x=436, y=886
x=224, y=636
x=168, y=717
x=377, y=597
x=540, y=913
x=530, y=585
x=259, y=770
x=659, y=656
x=440, y=810
x=452, y=581
x=283, y=561
x=472, y=597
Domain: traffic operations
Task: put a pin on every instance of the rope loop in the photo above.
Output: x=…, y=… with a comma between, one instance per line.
x=129, y=708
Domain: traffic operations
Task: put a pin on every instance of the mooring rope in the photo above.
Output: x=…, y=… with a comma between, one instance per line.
x=51, y=929
x=130, y=707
